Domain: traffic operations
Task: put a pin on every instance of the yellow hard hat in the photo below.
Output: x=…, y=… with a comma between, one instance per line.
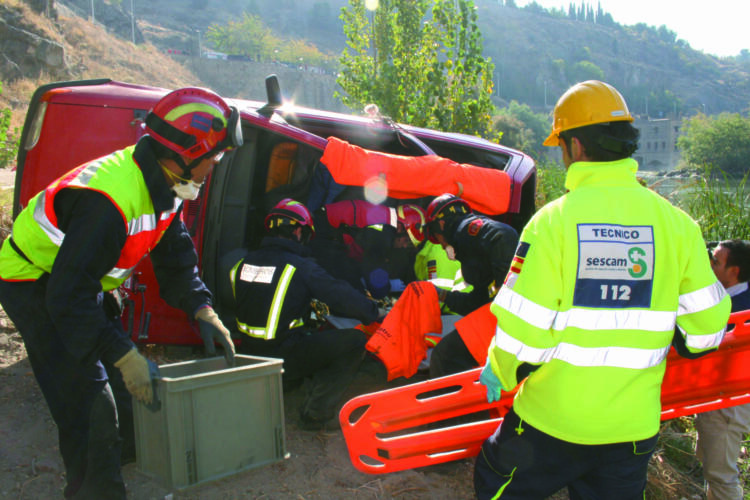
x=584, y=104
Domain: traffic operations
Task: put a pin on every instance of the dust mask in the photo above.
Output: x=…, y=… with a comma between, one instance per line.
x=184, y=189
x=451, y=252
x=188, y=191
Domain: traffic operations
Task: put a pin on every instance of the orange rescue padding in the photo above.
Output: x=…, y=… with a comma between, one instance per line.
x=399, y=429
x=476, y=330
x=399, y=342
x=487, y=190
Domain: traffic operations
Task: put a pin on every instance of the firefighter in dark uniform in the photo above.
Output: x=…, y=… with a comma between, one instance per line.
x=485, y=249
x=79, y=239
x=370, y=246
x=273, y=288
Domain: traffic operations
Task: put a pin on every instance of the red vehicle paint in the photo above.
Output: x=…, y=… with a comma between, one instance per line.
x=69, y=123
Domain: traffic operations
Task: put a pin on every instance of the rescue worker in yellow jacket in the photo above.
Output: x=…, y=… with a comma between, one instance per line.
x=589, y=307
x=79, y=239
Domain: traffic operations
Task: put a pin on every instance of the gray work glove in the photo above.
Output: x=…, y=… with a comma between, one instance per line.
x=213, y=330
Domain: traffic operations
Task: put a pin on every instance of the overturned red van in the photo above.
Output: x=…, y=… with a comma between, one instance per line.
x=69, y=123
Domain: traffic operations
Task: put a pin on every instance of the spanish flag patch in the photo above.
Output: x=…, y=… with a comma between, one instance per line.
x=516, y=264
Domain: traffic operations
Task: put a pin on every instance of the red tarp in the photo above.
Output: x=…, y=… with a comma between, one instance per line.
x=485, y=189
x=399, y=342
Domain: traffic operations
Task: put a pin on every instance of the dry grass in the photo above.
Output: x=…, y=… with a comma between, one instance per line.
x=6, y=213
x=91, y=52
x=674, y=471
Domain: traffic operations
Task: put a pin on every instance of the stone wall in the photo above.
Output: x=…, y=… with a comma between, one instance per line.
x=246, y=80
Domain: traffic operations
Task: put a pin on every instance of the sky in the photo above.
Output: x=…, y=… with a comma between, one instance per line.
x=718, y=27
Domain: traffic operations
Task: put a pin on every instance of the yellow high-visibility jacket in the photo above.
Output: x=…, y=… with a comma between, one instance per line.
x=599, y=279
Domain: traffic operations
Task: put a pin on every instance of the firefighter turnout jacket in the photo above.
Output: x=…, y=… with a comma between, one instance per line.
x=86, y=231
x=273, y=287
x=484, y=247
x=354, y=241
x=598, y=281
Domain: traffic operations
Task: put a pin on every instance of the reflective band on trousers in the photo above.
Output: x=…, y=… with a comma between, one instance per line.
x=274, y=312
x=615, y=357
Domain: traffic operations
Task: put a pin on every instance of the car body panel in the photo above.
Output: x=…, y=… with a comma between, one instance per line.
x=69, y=123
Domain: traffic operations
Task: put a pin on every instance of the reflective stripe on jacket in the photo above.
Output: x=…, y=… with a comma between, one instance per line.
x=274, y=284
x=432, y=264
x=264, y=274
x=598, y=281
x=117, y=177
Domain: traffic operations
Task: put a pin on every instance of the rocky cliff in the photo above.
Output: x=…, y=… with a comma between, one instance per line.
x=25, y=50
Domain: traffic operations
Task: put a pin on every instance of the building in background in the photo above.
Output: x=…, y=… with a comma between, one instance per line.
x=657, y=149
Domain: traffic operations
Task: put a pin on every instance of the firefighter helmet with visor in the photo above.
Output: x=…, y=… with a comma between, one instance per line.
x=289, y=212
x=443, y=206
x=412, y=219
x=194, y=123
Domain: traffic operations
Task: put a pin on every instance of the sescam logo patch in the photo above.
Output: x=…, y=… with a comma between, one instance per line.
x=615, y=266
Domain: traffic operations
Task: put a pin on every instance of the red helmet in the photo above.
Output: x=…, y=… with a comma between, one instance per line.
x=194, y=122
x=412, y=218
x=289, y=212
x=443, y=206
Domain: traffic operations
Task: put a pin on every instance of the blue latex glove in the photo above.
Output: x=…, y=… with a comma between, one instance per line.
x=397, y=285
x=490, y=380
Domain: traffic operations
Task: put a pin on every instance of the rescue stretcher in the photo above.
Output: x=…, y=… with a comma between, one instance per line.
x=448, y=418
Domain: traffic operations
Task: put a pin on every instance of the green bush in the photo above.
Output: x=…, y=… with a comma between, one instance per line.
x=550, y=183
x=8, y=140
x=718, y=203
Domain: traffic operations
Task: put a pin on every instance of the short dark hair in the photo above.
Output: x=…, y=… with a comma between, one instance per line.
x=739, y=255
x=605, y=141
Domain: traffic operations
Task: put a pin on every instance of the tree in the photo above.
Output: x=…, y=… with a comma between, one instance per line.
x=721, y=142
x=301, y=52
x=522, y=128
x=582, y=71
x=420, y=61
x=8, y=140
x=248, y=37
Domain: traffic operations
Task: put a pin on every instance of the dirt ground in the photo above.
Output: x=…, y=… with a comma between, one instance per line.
x=318, y=466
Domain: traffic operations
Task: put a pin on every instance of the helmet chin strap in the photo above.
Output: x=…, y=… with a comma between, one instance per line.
x=187, y=168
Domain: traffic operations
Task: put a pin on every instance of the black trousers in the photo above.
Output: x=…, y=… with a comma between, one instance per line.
x=330, y=358
x=83, y=400
x=521, y=462
x=451, y=356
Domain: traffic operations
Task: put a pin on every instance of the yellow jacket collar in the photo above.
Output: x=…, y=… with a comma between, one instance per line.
x=601, y=173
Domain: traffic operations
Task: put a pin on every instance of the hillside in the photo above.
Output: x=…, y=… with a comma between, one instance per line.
x=82, y=50
x=537, y=55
